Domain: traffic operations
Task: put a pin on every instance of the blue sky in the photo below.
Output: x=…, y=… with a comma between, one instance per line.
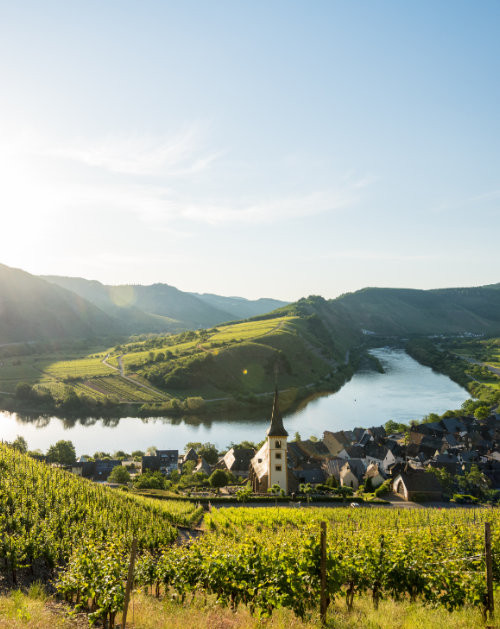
x=257, y=148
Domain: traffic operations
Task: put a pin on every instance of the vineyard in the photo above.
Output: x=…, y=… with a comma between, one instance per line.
x=51, y=519
x=269, y=558
x=77, y=535
x=124, y=390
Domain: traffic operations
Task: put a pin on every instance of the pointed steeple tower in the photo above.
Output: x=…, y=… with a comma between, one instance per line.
x=276, y=428
x=277, y=464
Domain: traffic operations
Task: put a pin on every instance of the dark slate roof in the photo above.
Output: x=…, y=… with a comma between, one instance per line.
x=450, y=439
x=314, y=448
x=358, y=467
x=378, y=432
x=421, y=482
x=453, y=424
x=276, y=429
x=395, y=447
x=168, y=454
x=190, y=456
x=355, y=452
x=376, y=452
x=313, y=475
x=296, y=453
x=242, y=458
x=366, y=438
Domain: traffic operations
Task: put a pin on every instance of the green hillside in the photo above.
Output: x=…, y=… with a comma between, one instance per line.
x=396, y=311
x=32, y=309
x=183, y=372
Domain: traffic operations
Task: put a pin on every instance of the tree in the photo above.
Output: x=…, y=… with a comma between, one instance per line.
x=218, y=479
x=151, y=451
x=137, y=455
x=297, y=436
x=120, y=455
x=331, y=481
x=119, y=474
x=306, y=488
x=62, y=452
x=98, y=456
x=188, y=468
x=20, y=444
x=276, y=491
x=24, y=391
x=244, y=493
x=482, y=412
x=392, y=427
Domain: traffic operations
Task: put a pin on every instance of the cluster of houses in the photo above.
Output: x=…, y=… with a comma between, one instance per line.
x=352, y=457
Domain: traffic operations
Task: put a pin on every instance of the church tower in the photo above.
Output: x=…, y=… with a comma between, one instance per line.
x=277, y=449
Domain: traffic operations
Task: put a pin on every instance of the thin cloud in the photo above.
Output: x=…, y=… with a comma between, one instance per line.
x=141, y=155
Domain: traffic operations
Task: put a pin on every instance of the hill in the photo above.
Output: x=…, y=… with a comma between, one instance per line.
x=32, y=309
x=396, y=311
x=161, y=307
x=241, y=308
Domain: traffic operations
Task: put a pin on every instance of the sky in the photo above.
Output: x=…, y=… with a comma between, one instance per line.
x=260, y=148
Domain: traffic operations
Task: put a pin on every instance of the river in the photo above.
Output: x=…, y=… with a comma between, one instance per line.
x=407, y=390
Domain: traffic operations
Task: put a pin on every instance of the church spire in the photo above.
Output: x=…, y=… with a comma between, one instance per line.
x=276, y=429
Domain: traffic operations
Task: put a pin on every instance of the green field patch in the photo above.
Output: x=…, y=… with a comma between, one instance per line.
x=124, y=390
x=79, y=368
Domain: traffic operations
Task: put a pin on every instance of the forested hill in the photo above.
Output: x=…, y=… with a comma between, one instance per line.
x=32, y=310
x=397, y=311
x=161, y=307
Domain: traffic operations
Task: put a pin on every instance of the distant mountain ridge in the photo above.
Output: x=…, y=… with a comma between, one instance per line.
x=36, y=308
x=32, y=310
x=400, y=311
x=161, y=307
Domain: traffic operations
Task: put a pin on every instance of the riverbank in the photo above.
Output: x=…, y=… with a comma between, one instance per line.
x=405, y=392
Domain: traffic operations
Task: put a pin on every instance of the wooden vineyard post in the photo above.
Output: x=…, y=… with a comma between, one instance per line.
x=489, y=570
x=130, y=578
x=323, y=601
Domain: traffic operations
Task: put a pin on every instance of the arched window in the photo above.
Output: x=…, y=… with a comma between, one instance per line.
x=277, y=443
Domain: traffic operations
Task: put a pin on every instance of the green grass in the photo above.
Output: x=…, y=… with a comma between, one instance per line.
x=79, y=368
x=29, y=610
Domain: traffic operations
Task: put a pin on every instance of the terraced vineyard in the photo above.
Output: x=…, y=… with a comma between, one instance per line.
x=51, y=519
x=124, y=390
x=269, y=558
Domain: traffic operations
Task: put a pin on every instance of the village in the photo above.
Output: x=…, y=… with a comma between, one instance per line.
x=456, y=457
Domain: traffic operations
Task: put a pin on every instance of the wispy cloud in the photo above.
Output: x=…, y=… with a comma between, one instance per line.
x=267, y=210
x=140, y=155
x=483, y=198
x=170, y=184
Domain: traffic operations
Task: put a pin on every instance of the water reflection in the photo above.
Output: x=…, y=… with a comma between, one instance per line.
x=406, y=390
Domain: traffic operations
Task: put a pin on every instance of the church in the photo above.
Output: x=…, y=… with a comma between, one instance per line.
x=270, y=465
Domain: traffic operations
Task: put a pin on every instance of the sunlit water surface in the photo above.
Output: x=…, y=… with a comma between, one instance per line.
x=407, y=390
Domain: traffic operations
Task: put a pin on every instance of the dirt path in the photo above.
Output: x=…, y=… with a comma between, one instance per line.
x=473, y=361
x=121, y=371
